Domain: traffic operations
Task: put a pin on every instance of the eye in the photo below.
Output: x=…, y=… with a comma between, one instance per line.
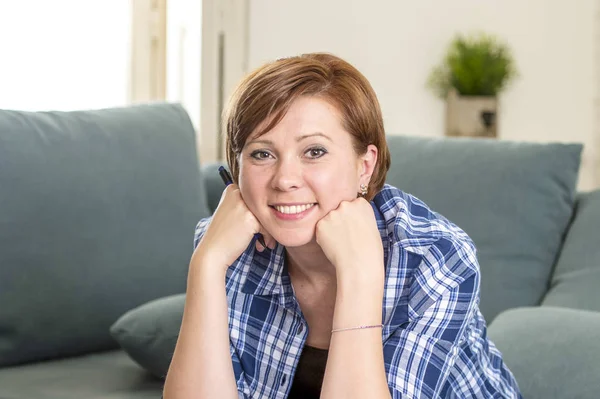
x=316, y=152
x=260, y=154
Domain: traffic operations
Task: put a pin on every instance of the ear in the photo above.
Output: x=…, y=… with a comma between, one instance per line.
x=366, y=164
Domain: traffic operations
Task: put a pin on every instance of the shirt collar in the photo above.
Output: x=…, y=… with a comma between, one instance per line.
x=267, y=274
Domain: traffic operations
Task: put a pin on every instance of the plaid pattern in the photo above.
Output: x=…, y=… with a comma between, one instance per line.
x=434, y=336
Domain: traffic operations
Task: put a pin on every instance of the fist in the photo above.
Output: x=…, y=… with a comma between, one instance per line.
x=232, y=228
x=349, y=237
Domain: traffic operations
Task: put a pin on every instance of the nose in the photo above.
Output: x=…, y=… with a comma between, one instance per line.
x=287, y=176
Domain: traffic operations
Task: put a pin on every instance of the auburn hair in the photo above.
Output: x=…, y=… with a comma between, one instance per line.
x=264, y=96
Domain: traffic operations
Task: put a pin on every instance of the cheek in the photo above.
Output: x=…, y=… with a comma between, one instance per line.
x=248, y=185
x=252, y=186
x=333, y=185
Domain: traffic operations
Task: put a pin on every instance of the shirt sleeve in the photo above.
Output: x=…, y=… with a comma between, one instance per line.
x=201, y=228
x=243, y=387
x=443, y=298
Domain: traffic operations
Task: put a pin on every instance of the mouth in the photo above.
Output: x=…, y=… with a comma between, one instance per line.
x=292, y=212
x=292, y=209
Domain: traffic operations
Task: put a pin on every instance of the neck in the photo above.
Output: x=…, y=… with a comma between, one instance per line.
x=309, y=264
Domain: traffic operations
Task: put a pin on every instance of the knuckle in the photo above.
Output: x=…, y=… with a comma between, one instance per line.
x=319, y=225
x=249, y=217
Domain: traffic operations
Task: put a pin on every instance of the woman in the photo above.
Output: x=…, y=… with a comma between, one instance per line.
x=361, y=292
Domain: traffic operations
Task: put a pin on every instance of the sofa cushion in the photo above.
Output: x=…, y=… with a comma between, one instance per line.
x=515, y=201
x=552, y=352
x=107, y=375
x=213, y=183
x=149, y=332
x=576, y=277
x=98, y=211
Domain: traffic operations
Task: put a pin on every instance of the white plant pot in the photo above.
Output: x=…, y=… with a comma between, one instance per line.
x=471, y=116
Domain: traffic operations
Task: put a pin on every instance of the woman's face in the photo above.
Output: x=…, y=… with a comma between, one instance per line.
x=296, y=173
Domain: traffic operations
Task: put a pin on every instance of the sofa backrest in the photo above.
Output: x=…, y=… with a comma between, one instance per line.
x=576, y=278
x=515, y=200
x=98, y=215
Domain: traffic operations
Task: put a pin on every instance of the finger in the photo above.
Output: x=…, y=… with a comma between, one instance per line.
x=259, y=246
x=226, y=190
x=261, y=240
x=268, y=239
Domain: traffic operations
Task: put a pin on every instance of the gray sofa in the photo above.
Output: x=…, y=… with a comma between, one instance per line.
x=97, y=216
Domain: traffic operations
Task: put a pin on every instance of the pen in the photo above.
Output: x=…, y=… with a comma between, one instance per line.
x=226, y=177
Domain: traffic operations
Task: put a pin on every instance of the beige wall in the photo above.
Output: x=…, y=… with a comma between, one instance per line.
x=396, y=43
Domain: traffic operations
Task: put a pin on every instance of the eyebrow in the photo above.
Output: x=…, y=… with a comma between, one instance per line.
x=298, y=139
x=317, y=134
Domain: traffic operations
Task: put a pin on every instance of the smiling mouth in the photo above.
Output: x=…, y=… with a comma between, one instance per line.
x=292, y=209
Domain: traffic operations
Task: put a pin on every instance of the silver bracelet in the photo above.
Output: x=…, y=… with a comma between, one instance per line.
x=357, y=328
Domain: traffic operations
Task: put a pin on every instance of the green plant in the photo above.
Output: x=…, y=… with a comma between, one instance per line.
x=478, y=65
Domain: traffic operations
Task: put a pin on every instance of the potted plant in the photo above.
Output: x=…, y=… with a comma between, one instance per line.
x=474, y=71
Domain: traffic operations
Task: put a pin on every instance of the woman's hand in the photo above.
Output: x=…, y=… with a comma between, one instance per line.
x=350, y=239
x=230, y=231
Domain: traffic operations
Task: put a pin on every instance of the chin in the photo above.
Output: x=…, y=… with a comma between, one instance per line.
x=294, y=238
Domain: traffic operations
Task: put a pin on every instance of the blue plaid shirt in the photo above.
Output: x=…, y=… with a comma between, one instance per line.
x=434, y=336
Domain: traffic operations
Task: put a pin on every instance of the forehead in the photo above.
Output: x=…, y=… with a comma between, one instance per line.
x=306, y=115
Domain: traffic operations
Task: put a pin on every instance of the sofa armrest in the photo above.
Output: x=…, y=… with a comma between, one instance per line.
x=213, y=183
x=552, y=352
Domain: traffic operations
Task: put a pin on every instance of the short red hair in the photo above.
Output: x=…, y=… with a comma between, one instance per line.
x=267, y=93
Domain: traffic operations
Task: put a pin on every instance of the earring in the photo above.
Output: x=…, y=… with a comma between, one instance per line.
x=363, y=190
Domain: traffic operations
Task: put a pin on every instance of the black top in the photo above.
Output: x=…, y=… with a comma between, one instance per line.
x=309, y=374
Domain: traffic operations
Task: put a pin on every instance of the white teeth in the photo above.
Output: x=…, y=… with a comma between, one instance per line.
x=293, y=209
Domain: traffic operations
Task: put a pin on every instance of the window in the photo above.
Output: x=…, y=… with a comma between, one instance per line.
x=64, y=54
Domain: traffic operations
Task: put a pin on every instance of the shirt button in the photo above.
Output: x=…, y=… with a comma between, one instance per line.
x=283, y=379
x=300, y=329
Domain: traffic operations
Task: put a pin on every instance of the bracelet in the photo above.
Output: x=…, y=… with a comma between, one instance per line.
x=357, y=328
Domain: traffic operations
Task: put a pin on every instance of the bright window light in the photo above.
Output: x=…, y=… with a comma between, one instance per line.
x=64, y=54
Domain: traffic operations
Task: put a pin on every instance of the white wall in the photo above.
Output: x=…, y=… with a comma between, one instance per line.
x=395, y=44
x=64, y=54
